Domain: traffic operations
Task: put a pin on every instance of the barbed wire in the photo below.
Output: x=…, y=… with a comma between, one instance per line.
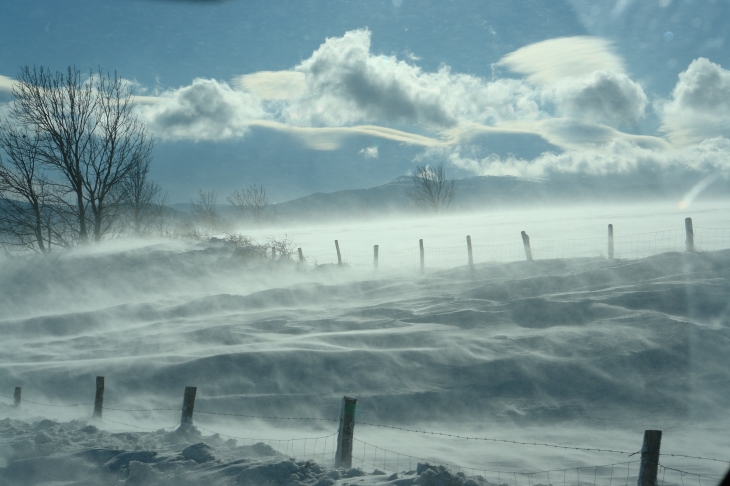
x=507, y=441
x=137, y=426
x=424, y=432
x=490, y=470
x=49, y=404
x=267, y=417
x=694, y=457
x=143, y=409
x=263, y=439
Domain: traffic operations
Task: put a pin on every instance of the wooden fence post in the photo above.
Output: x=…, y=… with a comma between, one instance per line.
x=99, y=398
x=339, y=255
x=375, y=255
x=610, y=242
x=650, y=458
x=16, y=397
x=273, y=253
x=301, y=255
x=345, y=434
x=423, y=259
x=528, y=250
x=186, y=420
x=471, y=255
x=690, y=242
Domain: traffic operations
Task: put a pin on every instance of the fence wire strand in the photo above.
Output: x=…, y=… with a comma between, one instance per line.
x=631, y=246
x=507, y=441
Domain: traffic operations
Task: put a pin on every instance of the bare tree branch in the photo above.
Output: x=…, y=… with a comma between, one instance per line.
x=86, y=131
x=431, y=189
x=251, y=202
x=204, y=210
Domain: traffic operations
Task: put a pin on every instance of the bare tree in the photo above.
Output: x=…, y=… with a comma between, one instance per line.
x=24, y=193
x=204, y=210
x=431, y=189
x=145, y=204
x=120, y=144
x=87, y=132
x=251, y=202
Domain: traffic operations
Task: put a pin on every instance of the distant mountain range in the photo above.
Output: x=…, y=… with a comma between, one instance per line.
x=476, y=192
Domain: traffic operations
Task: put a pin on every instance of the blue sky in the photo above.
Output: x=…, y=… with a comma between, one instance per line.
x=277, y=93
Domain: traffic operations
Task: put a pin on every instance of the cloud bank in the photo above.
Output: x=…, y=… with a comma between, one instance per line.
x=347, y=84
x=700, y=104
x=573, y=92
x=615, y=157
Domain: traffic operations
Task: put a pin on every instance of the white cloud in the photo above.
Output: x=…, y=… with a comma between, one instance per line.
x=346, y=84
x=370, y=152
x=6, y=84
x=343, y=89
x=602, y=96
x=618, y=156
x=205, y=110
x=554, y=59
x=700, y=104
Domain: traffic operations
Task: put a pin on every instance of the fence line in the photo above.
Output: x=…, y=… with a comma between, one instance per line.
x=398, y=457
x=631, y=246
x=425, y=432
x=290, y=446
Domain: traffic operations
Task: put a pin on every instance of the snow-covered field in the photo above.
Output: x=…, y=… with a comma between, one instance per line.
x=581, y=352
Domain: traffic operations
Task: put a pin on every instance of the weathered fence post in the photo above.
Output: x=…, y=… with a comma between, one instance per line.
x=528, y=250
x=273, y=253
x=99, y=398
x=186, y=420
x=471, y=255
x=375, y=255
x=650, y=458
x=339, y=255
x=423, y=260
x=301, y=255
x=16, y=397
x=345, y=434
x=610, y=242
x=690, y=242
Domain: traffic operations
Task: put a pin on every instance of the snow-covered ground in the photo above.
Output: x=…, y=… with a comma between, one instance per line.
x=581, y=352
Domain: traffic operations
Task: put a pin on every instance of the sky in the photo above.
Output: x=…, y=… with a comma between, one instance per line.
x=305, y=96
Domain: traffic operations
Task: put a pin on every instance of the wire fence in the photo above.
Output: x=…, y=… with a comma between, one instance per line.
x=631, y=246
x=381, y=460
x=384, y=460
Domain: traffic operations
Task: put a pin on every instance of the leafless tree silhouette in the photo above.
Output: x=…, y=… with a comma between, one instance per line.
x=251, y=202
x=204, y=210
x=431, y=189
x=143, y=200
x=87, y=132
x=25, y=193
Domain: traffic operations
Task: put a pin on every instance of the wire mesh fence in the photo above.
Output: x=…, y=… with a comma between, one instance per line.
x=631, y=246
x=373, y=458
